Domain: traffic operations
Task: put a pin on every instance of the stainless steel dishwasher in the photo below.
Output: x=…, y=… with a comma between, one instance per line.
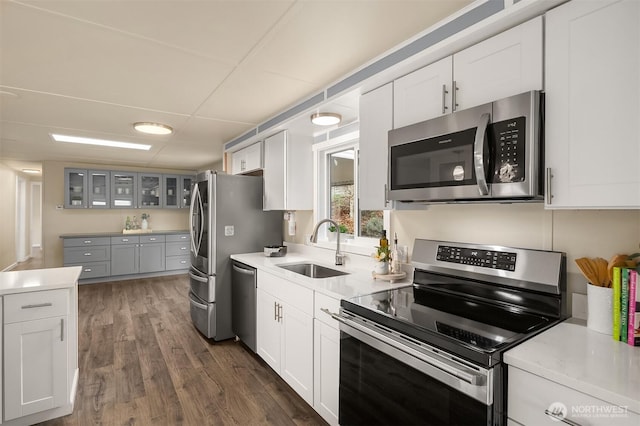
x=243, y=303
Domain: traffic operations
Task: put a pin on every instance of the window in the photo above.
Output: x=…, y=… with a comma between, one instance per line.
x=337, y=194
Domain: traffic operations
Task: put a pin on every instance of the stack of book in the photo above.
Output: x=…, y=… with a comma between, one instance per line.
x=626, y=306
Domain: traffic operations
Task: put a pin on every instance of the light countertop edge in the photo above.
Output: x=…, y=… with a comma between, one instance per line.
x=359, y=280
x=13, y=282
x=119, y=234
x=593, y=363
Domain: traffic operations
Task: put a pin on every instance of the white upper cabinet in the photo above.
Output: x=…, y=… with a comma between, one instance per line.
x=593, y=105
x=288, y=172
x=504, y=65
x=376, y=116
x=247, y=159
x=416, y=95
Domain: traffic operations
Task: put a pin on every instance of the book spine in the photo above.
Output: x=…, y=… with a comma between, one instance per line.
x=633, y=328
x=624, y=303
x=616, y=303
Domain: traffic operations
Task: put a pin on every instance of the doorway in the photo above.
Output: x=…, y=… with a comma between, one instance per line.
x=21, y=220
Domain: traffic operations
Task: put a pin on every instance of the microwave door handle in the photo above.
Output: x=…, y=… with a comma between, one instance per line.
x=479, y=145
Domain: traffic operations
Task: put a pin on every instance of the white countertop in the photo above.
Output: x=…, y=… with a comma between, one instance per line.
x=38, y=279
x=359, y=280
x=590, y=362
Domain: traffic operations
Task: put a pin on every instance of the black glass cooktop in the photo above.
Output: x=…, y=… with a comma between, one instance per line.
x=452, y=312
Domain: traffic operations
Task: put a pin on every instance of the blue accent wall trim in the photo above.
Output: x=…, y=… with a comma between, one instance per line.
x=315, y=100
x=447, y=30
x=240, y=139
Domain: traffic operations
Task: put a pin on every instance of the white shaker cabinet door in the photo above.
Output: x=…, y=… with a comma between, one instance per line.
x=376, y=119
x=326, y=366
x=297, y=351
x=592, y=136
x=35, y=366
x=268, y=330
x=423, y=94
x=501, y=66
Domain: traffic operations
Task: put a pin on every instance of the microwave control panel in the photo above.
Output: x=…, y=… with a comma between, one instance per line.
x=476, y=257
x=509, y=146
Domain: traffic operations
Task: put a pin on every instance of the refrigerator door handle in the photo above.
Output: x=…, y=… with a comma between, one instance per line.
x=198, y=278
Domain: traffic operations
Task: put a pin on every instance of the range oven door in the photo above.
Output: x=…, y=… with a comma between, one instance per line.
x=387, y=379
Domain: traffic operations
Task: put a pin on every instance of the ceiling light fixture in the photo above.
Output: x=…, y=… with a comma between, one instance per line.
x=100, y=142
x=326, y=118
x=31, y=171
x=153, y=128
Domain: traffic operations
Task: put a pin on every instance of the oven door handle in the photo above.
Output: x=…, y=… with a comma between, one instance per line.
x=479, y=146
x=476, y=385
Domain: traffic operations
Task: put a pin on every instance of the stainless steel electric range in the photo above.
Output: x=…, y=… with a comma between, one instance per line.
x=431, y=353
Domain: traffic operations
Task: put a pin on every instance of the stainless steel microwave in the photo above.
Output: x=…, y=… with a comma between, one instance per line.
x=489, y=152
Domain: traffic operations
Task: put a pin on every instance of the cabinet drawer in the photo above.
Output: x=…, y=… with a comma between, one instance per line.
x=152, y=239
x=35, y=305
x=178, y=249
x=75, y=255
x=287, y=291
x=84, y=242
x=125, y=240
x=171, y=238
x=94, y=269
x=325, y=302
x=530, y=395
x=177, y=262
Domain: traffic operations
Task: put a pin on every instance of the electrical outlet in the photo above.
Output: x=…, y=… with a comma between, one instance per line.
x=229, y=230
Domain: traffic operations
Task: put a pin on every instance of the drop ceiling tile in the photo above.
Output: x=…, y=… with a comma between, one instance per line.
x=225, y=30
x=94, y=62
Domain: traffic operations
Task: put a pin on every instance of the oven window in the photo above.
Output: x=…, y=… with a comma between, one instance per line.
x=440, y=161
x=376, y=389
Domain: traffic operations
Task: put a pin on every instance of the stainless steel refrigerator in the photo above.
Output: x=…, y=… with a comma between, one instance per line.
x=226, y=218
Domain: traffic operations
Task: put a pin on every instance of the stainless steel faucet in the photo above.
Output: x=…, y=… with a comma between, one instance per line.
x=314, y=239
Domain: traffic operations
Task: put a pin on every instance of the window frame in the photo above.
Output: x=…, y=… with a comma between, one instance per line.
x=321, y=203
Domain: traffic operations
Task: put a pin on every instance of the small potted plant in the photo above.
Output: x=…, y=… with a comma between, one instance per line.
x=382, y=257
x=145, y=220
x=332, y=231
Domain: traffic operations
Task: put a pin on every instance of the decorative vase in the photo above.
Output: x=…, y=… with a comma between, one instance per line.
x=381, y=268
x=599, y=309
x=144, y=224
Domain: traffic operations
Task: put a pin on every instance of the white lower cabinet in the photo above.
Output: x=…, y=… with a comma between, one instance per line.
x=38, y=343
x=285, y=331
x=326, y=370
x=531, y=397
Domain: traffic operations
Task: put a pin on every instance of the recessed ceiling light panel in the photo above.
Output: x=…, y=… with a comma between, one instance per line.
x=153, y=128
x=100, y=142
x=31, y=171
x=326, y=118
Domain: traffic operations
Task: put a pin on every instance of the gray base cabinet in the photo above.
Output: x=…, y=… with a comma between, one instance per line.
x=120, y=255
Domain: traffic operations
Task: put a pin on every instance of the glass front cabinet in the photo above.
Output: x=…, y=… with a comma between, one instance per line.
x=150, y=190
x=124, y=186
x=185, y=183
x=75, y=185
x=171, y=191
x=99, y=189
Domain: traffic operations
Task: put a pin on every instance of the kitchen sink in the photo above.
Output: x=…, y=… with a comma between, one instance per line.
x=312, y=270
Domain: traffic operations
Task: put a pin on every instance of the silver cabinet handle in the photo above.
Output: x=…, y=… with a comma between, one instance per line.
x=87, y=241
x=37, y=305
x=184, y=248
x=62, y=329
x=183, y=237
x=386, y=195
x=275, y=311
x=152, y=239
x=87, y=254
x=279, y=312
x=183, y=262
x=478, y=153
x=444, y=98
x=124, y=240
x=557, y=417
x=87, y=269
x=328, y=312
x=454, y=96
x=548, y=194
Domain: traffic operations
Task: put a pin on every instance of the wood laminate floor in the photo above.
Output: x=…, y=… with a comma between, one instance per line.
x=143, y=363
